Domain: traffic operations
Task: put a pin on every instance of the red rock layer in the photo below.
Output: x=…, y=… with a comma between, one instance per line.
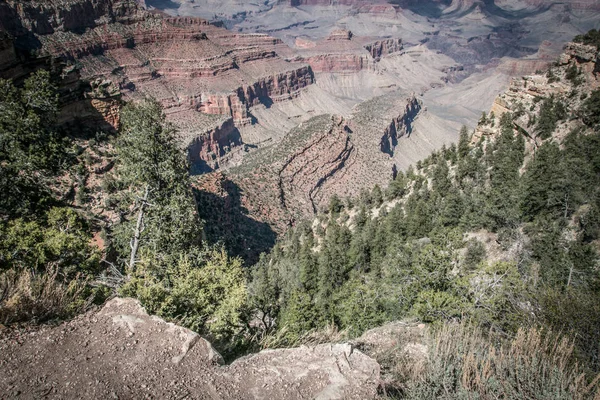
x=205, y=151
x=341, y=53
x=183, y=62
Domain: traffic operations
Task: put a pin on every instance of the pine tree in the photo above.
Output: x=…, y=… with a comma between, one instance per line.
x=463, y=143
x=31, y=149
x=154, y=170
x=376, y=196
x=502, y=205
x=546, y=122
x=308, y=264
x=547, y=188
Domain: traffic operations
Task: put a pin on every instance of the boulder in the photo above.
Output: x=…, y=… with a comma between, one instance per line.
x=122, y=352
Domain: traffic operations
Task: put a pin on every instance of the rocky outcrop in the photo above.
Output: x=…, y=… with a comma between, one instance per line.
x=98, y=105
x=69, y=45
x=206, y=150
x=340, y=34
x=326, y=155
x=399, y=127
x=520, y=67
x=43, y=17
x=305, y=174
x=122, y=352
x=344, y=52
x=524, y=94
x=278, y=87
x=275, y=88
x=384, y=47
x=338, y=62
x=331, y=371
x=581, y=52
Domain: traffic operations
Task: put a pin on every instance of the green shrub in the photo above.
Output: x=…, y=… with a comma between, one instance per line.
x=204, y=291
x=591, y=38
x=590, y=109
x=434, y=306
x=60, y=240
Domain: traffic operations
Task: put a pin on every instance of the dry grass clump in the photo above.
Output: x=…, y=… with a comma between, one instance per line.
x=465, y=364
x=282, y=337
x=38, y=297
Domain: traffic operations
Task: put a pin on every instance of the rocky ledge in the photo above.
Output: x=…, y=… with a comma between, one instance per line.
x=122, y=352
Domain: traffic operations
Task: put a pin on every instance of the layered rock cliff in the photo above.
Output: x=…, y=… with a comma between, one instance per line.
x=207, y=149
x=294, y=178
x=344, y=52
x=384, y=47
x=110, y=51
x=399, y=127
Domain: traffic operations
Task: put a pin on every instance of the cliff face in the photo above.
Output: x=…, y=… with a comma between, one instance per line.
x=399, y=127
x=307, y=173
x=338, y=62
x=43, y=17
x=343, y=52
x=384, y=47
x=525, y=95
x=186, y=63
x=206, y=150
x=294, y=178
x=275, y=88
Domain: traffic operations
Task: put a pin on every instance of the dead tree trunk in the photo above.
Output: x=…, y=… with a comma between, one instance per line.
x=135, y=242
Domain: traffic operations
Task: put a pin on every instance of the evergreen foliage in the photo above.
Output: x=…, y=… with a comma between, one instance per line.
x=31, y=147
x=413, y=262
x=173, y=274
x=591, y=38
x=590, y=110
x=46, y=257
x=388, y=254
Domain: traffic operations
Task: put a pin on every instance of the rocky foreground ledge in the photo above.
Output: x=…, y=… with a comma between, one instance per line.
x=121, y=352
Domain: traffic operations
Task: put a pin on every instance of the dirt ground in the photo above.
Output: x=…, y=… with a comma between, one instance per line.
x=120, y=352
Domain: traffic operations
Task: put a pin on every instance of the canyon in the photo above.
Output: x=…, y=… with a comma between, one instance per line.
x=290, y=101
x=280, y=107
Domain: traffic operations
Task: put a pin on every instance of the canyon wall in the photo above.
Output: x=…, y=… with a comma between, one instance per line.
x=47, y=17
x=278, y=87
x=523, y=96
x=183, y=62
x=326, y=155
x=206, y=149
x=342, y=52
x=384, y=47
x=399, y=127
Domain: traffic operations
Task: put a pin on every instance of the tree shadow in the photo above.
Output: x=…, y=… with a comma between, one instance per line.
x=227, y=221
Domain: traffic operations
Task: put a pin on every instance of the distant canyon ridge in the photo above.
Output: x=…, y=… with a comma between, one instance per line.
x=281, y=104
